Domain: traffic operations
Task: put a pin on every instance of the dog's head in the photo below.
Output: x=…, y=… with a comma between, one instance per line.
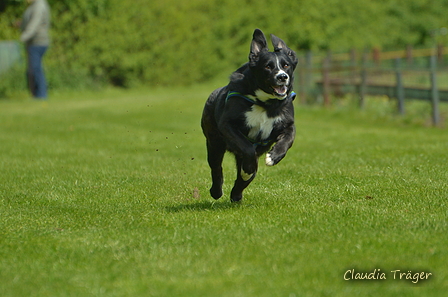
x=273, y=71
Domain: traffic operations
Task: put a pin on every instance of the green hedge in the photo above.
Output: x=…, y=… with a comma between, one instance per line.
x=127, y=43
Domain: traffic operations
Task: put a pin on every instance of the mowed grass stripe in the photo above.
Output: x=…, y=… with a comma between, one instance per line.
x=106, y=194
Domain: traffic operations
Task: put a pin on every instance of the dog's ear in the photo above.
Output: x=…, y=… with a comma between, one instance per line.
x=259, y=44
x=280, y=45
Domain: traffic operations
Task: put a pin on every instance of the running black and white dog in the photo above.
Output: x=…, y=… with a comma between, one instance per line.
x=252, y=115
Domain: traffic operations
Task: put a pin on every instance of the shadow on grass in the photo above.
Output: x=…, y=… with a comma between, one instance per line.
x=203, y=206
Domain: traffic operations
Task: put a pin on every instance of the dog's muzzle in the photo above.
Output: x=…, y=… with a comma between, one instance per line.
x=282, y=77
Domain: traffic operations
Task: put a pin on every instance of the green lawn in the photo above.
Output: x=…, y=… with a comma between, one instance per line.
x=106, y=194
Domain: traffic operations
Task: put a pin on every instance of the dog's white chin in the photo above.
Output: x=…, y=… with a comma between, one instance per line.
x=263, y=96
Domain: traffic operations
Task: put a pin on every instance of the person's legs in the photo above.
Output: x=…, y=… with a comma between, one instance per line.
x=29, y=71
x=36, y=76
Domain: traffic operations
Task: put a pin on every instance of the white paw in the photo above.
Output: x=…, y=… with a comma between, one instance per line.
x=246, y=176
x=269, y=161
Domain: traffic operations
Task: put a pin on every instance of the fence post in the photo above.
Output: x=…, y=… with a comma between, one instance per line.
x=400, y=89
x=434, y=90
x=363, y=86
x=326, y=79
x=352, y=66
x=377, y=56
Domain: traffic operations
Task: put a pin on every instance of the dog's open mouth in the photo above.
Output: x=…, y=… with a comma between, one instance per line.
x=280, y=90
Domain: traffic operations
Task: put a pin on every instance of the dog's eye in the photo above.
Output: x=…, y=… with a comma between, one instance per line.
x=286, y=66
x=268, y=67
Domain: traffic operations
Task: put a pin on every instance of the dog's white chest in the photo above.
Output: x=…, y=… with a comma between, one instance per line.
x=259, y=123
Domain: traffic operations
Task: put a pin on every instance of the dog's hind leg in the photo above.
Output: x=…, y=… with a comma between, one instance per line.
x=243, y=179
x=215, y=155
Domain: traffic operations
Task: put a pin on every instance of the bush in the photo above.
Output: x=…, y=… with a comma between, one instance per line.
x=128, y=43
x=13, y=81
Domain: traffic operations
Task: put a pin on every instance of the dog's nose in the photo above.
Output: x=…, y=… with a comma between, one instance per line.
x=282, y=77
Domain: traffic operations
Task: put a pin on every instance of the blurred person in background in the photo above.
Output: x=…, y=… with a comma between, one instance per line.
x=35, y=34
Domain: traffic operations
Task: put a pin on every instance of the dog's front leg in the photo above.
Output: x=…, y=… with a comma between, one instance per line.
x=246, y=159
x=284, y=143
x=243, y=179
x=247, y=165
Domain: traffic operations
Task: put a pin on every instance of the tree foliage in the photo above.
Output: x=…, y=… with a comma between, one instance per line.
x=180, y=42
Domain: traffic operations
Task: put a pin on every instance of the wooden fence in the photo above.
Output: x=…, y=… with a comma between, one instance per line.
x=406, y=74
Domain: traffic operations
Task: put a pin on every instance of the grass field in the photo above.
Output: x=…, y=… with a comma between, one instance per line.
x=106, y=194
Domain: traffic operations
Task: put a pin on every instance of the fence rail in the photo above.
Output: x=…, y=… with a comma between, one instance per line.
x=405, y=74
x=387, y=90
